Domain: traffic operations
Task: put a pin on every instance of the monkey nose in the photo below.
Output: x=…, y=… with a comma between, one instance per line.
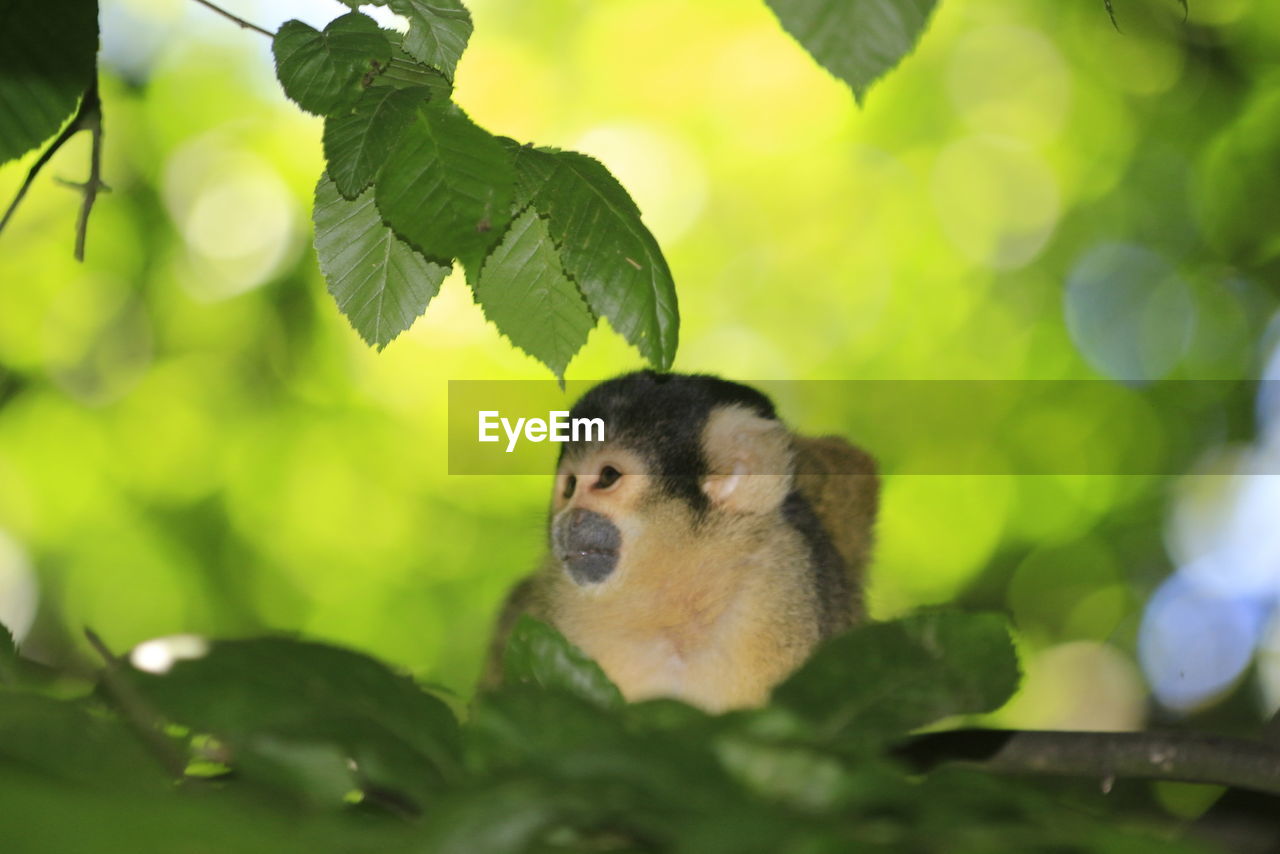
x=586, y=544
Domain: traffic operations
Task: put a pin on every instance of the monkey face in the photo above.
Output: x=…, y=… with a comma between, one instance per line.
x=597, y=498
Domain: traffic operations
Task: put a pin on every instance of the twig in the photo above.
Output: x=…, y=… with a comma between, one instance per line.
x=87, y=117
x=1183, y=756
x=241, y=21
x=89, y=189
x=1112, y=13
x=140, y=716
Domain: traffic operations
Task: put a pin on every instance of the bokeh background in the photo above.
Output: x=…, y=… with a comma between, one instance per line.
x=192, y=440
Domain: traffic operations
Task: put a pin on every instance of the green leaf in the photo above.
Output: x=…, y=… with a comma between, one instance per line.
x=538, y=654
x=48, y=51
x=511, y=816
x=438, y=31
x=523, y=291
x=327, y=71
x=43, y=816
x=67, y=741
x=447, y=184
x=356, y=142
x=8, y=657
x=604, y=247
x=525, y=729
x=381, y=283
x=880, y=681
x=282, y=705
x=405, y=72
x=858, y=41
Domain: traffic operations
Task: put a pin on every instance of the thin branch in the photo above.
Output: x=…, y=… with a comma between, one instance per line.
x=1183, y=756
x=87, y=117
x=241, y=21
x=92, y=122
x=140, y=716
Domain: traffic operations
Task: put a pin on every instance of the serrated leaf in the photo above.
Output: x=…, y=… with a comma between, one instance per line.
x=405, y=71
x=438, y=31
x=356, y=142
x=524, y=292
x=604, y=246
x=537, y=654
x=380, y=282
x=858, y=41
x=277, y=703
x=882, y=680
x=48, y=51
x=446, y=186
x=327, y=71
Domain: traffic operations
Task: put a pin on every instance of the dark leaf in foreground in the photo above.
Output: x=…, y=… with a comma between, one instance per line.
x=539, y=655
x=880, y=681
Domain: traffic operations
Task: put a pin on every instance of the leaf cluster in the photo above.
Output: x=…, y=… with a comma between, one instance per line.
x=293, y=745
x=549, y=240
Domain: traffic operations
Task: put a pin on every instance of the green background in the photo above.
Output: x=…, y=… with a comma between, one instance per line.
x=193, y=440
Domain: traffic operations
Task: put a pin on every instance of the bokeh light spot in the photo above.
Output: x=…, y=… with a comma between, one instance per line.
x=660, y=171
x=19, y=592
x=235, y=214
x=1129, y=312
x=1082, y=685
x=1194, y=644
x=996, y=199
x=935, y=534
x=1009, y=80
x=158, y=655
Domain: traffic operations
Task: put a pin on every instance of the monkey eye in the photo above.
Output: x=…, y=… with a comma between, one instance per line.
x=608, y=477
x=569, y=485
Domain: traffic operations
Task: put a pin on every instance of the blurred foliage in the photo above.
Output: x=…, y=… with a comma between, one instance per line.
x=192, y=440
x=292, y=744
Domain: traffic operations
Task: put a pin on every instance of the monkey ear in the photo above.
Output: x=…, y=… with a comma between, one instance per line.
x=750, y=461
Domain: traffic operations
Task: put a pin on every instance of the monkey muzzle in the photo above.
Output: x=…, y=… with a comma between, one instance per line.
x=586, y=544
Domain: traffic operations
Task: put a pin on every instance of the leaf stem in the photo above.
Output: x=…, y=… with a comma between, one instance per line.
x=241, y=21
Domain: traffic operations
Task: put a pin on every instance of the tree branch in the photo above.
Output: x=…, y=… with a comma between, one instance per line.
x=92, y=122
x=1183, y=756
x=241, y=21
x=88, y=117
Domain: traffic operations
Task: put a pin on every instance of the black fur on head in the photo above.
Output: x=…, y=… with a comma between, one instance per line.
x=661, y=418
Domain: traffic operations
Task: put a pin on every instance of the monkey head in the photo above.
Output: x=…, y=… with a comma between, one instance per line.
x=684, y=459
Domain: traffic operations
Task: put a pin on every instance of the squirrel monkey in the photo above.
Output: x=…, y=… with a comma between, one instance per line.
x=702, y=550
